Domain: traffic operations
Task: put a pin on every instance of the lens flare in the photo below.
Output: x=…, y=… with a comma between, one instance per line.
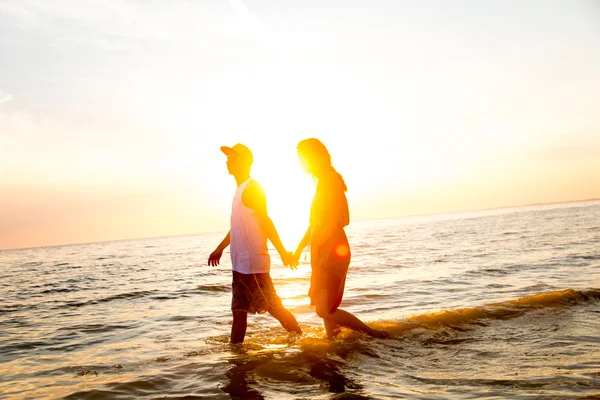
x=342, y=250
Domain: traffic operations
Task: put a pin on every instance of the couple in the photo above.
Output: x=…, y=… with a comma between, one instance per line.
x=251, y=227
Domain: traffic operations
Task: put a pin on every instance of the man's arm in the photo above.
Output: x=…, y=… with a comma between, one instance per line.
x=254, y=198
x=215, y=256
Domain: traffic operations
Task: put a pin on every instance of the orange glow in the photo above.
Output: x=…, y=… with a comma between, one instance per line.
x=289, y=191
x=342, y=250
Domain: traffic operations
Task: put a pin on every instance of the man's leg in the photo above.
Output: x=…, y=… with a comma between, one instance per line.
x=286, y=318
x=238, y=328
x=273, y=301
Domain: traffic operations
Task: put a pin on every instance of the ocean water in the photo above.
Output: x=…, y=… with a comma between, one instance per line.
x=500, y=304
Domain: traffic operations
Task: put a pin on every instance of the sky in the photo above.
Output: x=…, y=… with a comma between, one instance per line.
x=112, y=112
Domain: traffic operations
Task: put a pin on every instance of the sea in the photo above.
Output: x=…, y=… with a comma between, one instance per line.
x=495, y=304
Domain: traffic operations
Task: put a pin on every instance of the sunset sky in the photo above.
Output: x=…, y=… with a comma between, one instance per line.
x=112, y=112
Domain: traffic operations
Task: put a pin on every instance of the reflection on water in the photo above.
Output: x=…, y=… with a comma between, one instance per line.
x=238, y=386
x=478, y=306
x=489, y=348
x=309, y=366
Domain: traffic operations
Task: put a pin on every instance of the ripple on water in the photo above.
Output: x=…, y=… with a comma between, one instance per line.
x=448, y=290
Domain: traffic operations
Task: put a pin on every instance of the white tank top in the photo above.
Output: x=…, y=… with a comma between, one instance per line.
x=249, y=253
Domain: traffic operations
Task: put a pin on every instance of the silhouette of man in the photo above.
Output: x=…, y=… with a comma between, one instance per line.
x=250, y=228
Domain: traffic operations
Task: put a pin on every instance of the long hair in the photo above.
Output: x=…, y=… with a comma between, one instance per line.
x=317, y=156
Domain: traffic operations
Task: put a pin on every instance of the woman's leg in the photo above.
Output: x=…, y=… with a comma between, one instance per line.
x=343, y=318
x=331, y=327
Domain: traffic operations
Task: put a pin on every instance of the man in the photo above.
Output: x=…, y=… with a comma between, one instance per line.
x=251, y=227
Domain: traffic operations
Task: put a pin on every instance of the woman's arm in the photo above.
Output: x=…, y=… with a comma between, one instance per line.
x=303, y=243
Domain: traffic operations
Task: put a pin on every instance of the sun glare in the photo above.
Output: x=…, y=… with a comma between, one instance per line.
x=289, y=192
x=288, y=189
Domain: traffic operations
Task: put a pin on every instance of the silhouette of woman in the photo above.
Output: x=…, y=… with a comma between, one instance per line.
x=329, y=248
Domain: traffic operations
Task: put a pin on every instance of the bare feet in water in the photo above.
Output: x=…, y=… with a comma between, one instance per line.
x=331, y=328
x=380, y=334
x=331, y=333
x=296, y=329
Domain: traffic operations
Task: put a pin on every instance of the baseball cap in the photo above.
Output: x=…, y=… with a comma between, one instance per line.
x=239, y=150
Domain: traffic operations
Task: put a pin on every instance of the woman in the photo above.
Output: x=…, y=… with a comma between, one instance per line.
x=329, y=248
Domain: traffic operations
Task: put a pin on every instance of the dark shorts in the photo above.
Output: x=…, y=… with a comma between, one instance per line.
x=253, y=293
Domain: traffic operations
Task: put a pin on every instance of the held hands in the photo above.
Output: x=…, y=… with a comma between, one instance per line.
x=289, y=260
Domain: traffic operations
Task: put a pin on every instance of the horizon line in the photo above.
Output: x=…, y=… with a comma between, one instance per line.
x=359, y=220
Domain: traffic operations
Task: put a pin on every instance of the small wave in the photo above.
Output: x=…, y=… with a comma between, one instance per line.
x=178, y=318
x=31, y=264
x=501, y=271
x=15, y=348
x=128, y=295
x=538, y=287
x=120, y=296
x=493, y=271
x=77, y=370
x=108, y=257
x=152, y=294
x=11, y=308
x=132, y=389
x=504, y=310
x=201, y=289
x=59, y=290
x=585, y=257
x=496, y=286
x=95, y=328
x=165, y=297
x=97, y=369
x=529, y=383
x=312, y=359
x=217, y=288
x=419, y=327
